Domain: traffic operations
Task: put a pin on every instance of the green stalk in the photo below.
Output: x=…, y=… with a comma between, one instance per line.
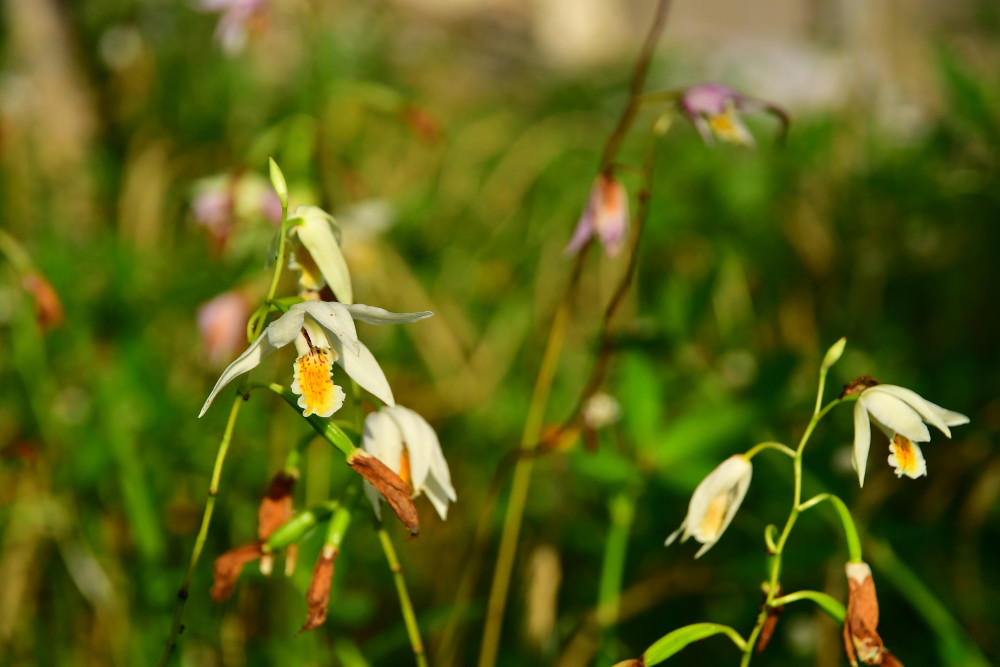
x=409, y=617
x=779, y=547
x=622, y=511
x=850, y=530
x=199, y=544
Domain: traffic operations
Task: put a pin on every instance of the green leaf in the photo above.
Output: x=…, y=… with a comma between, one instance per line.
x=673, y=642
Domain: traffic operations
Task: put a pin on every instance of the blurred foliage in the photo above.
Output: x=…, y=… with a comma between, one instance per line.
x=862, y=225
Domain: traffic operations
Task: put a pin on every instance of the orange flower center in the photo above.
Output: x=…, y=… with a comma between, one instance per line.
x=906, y=457
x=711, y=523
x=404, y=467
x=317, y=393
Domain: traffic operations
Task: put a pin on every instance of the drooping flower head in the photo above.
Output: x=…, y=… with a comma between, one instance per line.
x=714, y=503
x=606, y=216
x=317, y=255
x=324, y=334
x=900, y=413
x=408, y=445
x=714, y=109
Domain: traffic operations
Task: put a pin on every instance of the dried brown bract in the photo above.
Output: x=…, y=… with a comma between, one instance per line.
x=318, y=595
x=389, y=484
x=229, y=565
x=858, y=385
x=861, y=639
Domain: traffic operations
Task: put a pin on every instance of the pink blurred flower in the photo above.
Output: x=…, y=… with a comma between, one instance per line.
x=714, y=109
x=605, y=216
x=222, y=201
x=235, y=19
x=222, y=324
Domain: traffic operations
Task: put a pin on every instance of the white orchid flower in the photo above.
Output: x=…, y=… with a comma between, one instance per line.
x=319, y=258
x=714, y=503
x=901, y=414
x=323, y=333
x=406, y=443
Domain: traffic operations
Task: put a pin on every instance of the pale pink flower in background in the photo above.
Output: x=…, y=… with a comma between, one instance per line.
x=222, y=323
x=606, y=217
x=714, y=109
x=234, y=22
x=222, y=201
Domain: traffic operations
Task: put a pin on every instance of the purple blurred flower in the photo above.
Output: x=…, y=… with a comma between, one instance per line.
x=714, y=109
x=231, y=31
x=605, y=216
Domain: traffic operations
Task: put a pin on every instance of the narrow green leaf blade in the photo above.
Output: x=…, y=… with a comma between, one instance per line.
x=673, y=642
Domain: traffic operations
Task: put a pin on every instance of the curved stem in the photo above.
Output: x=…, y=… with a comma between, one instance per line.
x=850, y=530
x=199, y=544
x=758, y=448
x=409, y=617
x=779, y=547
x=827, y=603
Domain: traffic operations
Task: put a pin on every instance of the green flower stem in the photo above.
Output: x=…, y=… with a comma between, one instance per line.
x=279, y=264
x=779, y=547
x=827, y=603
x=622, y=511
x=756, y=449
x=409, y=617
x=519, y=487
x=850, y=530
x=330, y=431
x=199, y=544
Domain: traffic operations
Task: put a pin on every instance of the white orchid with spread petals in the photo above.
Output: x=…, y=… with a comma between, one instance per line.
x=900, y=413
x=323, y=333
x=318, y=256
x=408, y=445
x=714, y=503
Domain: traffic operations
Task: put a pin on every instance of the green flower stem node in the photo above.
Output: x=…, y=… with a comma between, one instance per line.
x=278, y=182
x=672, y=642
x=338, y=527
x=296, y=528
x=844, y=514
x=330, y=431
x=827, y=603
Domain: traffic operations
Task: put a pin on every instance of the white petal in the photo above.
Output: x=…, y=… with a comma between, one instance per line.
x=316, y=234
x=949, y=417
x=365, y=371
x=375, y=315
x=420, y=440
x=250, y=359
x=374, y=497
x=383, y=439
x=923, y=407
x=862, y=440
x=438, y=496
x=730, y=479
x=334, y=318
x=286, y=328
x=895, y=414
x=672, y=537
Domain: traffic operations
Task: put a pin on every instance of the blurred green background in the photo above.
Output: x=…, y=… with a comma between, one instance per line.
x=457, y=142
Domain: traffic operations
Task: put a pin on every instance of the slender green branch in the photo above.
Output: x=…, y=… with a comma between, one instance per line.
x=827, y=603
x=777, y=549
x=409, y=617
x=330, y=431
x=177, y=626
x=850, y=530
x=758, y=448
x=622, y=513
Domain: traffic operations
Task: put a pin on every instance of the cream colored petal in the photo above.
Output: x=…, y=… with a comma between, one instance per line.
x=862, y=440
x=420, y=441
x=375, y=315
x=923, y=407
x=316, y=234
x=895, y=414
x=247, y=361
x=335, y=319
x=949, y=417
x=672, y=537
x=286, y=328
x=365, y=371
x=730, y=479
x=439, y=496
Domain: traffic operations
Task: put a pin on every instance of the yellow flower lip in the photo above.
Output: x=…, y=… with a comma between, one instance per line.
x=313, y=382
